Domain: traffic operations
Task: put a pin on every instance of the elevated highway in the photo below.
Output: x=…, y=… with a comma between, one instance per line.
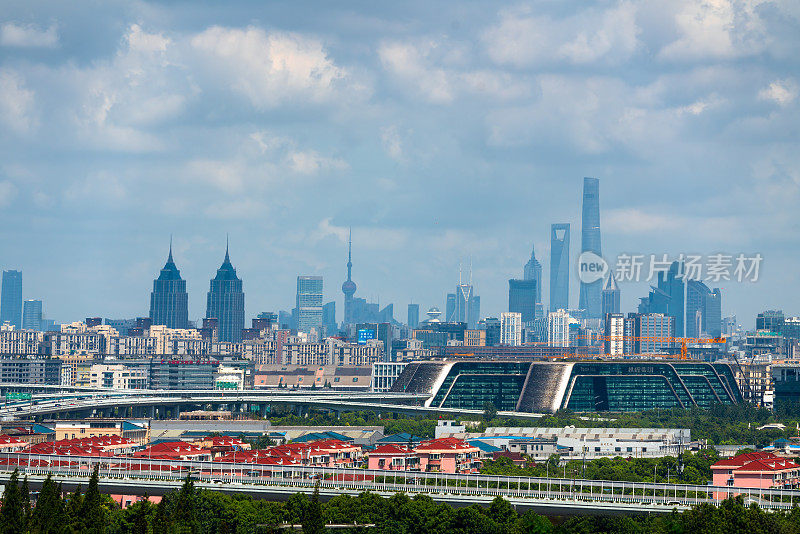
x=549, y=496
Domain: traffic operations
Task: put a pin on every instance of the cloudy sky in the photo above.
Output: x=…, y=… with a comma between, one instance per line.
x=442, y=133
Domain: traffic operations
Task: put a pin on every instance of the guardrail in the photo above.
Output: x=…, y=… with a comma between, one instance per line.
x=261, y=475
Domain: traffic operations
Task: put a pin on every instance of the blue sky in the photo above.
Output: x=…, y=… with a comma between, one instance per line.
x=440, y=132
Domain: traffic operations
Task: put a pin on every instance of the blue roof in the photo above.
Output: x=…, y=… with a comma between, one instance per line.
x=127, y=425
x=781, y=440
x=482, y=445
x=316, y=436
x=401, y=437
x=41, y=429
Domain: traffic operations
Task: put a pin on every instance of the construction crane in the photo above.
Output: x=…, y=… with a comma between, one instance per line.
x=659, y=339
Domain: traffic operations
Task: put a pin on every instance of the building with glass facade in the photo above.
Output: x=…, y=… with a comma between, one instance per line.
x=559, y=267
x=169, y=301
x=585, y=386
x=522, y=298
x=309, y=303
x=32, y=315
x=589, y=297
x=11, y=299
x=225, y=302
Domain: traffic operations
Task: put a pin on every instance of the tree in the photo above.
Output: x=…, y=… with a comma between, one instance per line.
x=186, y=507
x=25, y=497
x=12, y=513
x=489, y=411
x=313, y=521
x=92, y=512
x=48, y=515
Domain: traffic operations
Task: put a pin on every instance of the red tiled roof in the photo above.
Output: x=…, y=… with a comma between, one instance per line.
x=392, y=449
x=742, y=459
x=770, y=464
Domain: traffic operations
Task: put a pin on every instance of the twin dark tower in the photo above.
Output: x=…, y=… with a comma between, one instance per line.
x=169, y=301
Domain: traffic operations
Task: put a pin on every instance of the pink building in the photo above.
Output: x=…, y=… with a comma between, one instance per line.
x=393, y=458
x=445, y=455
x=755, y=470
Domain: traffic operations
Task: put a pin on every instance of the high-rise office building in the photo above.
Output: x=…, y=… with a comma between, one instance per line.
x=349, y=287
x=169, y=301
x=225, y=302
x=32, y=315
x=11, y=299
x=668, y=297
x=309, y=303
x=703, y=310
x=651, y=331
x=450, y=308
x=771, y=320
x=610, y=295
x=559, y=267
x=329, y=318
x=510, y=328
x=558, y=323
x=522, y=298
x=533, y=271
x=590, y=298
x=614, y=333
x=413, y=316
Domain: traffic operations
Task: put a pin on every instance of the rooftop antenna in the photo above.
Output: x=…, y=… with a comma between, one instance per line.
x=350, y=253
x=227, y=243
x=170, y=248
x=470, y=270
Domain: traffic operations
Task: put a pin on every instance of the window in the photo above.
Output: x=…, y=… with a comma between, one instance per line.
x=336, y=379
x=597, y=449
x=630, y=449
x=355, y=379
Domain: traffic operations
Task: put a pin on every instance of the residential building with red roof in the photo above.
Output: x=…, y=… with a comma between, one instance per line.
x=755, y=470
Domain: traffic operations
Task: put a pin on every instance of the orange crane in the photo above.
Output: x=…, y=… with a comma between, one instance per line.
x=658, y=339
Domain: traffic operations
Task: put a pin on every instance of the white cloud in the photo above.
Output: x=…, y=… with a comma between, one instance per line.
x=522, y=38
x=310, y=162
x=97, y=189
x=270, y=68
x=140, y=41
x=28, y=35
x=392, y=143
x=782, y=92
x=720, y=29
x=226, y=176
x=245, y=208
x=432, y=70
x=16, y=103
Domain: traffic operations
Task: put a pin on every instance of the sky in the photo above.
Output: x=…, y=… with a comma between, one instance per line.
x=443, y=134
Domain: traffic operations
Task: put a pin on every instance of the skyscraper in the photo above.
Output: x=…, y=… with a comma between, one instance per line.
x=510, y=328
x=450, y=308
x=668, y=297
x=226, y=301
x=533, y=271
x=169, y=301
x=559, y=267
x=309, y=303
x=329, y=318
x=349, y=287
x=610, y=295
x=32, y=315
x=522, y=298
x=703, y=310
x=589, y=298
x=11, y=299
x=413, y=316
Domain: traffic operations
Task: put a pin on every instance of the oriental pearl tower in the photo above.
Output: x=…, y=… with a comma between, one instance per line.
x=349, y=287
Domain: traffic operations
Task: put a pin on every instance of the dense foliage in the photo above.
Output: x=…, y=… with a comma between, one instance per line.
x=190, y=510
x=690, y=468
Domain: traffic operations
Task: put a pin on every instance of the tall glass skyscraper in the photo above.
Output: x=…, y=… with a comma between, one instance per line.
x=703, y=310
x=533, y=271
x=522, y=298
x=32, y=315
x=668, y=298
x=226, y=302
x=413, y=315
x=169, y=301
x=590, y=298
x=559, y=266
x=11, y=299
x=309, y=303
x=610, y=295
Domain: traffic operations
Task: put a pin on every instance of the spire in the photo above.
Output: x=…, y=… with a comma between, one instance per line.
x=533, y=252
x=169, y=259
x=611, y=283
x=227, y=242
x=350, y=254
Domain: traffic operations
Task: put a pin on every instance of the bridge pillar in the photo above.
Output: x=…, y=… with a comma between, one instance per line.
x=152, y=412
x=176, y=411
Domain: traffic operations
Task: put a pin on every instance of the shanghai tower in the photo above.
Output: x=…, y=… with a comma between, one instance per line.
x=590, y=294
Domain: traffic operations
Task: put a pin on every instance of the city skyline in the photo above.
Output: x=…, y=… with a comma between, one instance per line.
x=435, y=136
